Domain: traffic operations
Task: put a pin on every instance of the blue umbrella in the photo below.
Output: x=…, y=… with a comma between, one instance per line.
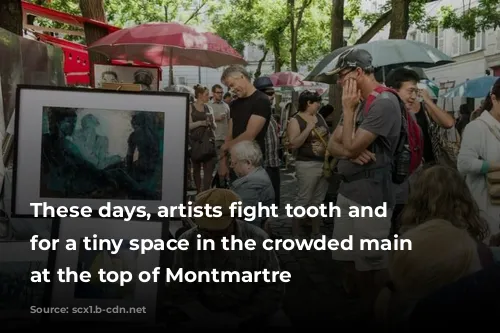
x=477, y=88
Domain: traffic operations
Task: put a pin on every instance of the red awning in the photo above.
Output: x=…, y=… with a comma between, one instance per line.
x=76, y=60
x=76, y=57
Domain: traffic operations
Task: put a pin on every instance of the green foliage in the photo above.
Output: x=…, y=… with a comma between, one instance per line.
x=268, y=22
x=126, y=12
x=469, y=21
x=66, y=6
x=352, y=9
x=418, y=16
x=486, y=15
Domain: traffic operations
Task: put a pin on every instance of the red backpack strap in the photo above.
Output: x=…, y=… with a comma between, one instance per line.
x=374, y=94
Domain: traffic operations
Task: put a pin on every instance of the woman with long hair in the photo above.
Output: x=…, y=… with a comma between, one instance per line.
x=201, y=119
x=440, y=192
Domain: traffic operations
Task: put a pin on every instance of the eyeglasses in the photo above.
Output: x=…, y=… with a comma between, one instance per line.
x=342, y=76
x=414, y=91
x=269, y=93
x=218, y=92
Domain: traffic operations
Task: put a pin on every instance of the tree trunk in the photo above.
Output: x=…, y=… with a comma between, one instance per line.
x=258, y=71
x=11, y=16
x=375, y=28
x=94, y=9
x=277, y=68
x=337, y=28
x=277, y=57
x=400, y=19
x=293, y=36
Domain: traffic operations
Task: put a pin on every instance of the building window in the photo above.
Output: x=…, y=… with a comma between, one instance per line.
x=422, y=37
x=413, y=36
x=476, y=43
x=440, y=43
x=435, y=35
x=498, y=40
x=455, y=45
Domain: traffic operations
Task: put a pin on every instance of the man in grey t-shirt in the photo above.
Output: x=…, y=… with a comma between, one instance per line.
x=365, y=141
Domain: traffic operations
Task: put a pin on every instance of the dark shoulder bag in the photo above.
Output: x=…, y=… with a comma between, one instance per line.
x=202, y=141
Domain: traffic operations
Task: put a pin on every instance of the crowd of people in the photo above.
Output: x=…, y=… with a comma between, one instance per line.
x=447, y=203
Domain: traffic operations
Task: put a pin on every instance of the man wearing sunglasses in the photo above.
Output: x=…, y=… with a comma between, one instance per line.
x=365, y=142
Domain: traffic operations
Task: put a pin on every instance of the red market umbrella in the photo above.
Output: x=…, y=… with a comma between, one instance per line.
x=168, y=44
x=287, y=79
x=295, y=81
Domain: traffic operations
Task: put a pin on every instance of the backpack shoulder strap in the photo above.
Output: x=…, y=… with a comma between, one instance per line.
x=376, y=93
x=490, y=128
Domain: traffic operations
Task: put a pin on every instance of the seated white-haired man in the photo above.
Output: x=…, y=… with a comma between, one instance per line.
x=253, y=184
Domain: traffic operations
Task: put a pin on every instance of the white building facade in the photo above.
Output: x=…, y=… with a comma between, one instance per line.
x=473, y=58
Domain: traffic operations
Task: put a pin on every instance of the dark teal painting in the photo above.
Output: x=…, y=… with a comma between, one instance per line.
x=101, y=154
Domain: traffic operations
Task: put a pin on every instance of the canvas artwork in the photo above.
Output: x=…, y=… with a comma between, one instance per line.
x=147, y=77
x=84, y=147
x=102, y=154
x=17, y=292
x=93, y=261
x=106, y=294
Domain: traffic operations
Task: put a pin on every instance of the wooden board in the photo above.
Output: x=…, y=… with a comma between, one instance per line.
x=122, y=86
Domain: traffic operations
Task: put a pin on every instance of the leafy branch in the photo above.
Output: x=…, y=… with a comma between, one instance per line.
x=485, y=16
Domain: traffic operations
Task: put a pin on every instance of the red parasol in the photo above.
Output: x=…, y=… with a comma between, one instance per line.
x=168, y=44
x=296, y=81
x=287, y=79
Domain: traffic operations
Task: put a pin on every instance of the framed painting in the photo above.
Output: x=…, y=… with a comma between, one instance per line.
x=133, y=301
x=147, y=77
x=19, y=297
x=95, y=148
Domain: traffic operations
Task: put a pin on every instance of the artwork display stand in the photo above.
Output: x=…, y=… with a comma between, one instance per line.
x=120, y=109
x=145, y=76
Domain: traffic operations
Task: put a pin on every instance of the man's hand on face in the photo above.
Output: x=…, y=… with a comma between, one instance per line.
x=350, y=96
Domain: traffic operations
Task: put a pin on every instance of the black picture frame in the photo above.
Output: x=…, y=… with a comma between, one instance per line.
x=85, y=320
x=19, y=252
x=130, y=95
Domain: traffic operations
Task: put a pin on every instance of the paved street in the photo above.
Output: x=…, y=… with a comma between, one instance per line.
x=315, y=294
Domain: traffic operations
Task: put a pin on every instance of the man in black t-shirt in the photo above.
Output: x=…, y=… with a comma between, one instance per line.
x=249, y=113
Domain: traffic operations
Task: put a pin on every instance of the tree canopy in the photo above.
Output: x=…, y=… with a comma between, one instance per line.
x=471, y=20
x=295, y=31
x=268, y=25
